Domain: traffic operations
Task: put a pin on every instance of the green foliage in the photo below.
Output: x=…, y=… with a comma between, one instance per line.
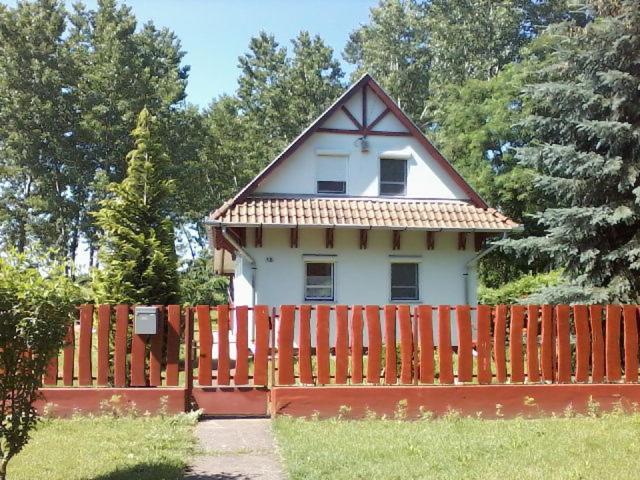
x=585, y=116
x=36, y=306
x=518, y=290
x=198, y=284
x=139, y=263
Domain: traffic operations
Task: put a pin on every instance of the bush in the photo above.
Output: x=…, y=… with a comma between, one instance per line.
x=198, y=284
x=518, y=290
x=37, y=302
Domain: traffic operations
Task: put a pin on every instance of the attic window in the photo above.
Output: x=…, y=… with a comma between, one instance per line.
x=331, y=175
x=393, y=176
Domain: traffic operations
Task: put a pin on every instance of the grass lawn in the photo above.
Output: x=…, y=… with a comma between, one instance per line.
x=107, y=448
x=462, y=448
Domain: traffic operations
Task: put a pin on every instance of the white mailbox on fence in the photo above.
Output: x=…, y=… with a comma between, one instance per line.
x=145, y=320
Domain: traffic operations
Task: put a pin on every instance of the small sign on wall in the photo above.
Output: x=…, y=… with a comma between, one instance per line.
x=145, y=320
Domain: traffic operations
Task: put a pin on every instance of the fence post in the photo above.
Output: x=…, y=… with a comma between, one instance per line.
x=188, y=351
x=272, y=325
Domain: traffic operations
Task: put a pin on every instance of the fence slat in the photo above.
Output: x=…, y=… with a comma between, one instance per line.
x=51, y=375
x=425, y=334
x=390, y=368
x=597, y=344
x=206, y=345
x=564, y=343
x=241, y=374
x=322, y=344
x=68, y=354
x=445, y=352
x=155, y=357
x=304, y=345
x=630, y=343
x=515, y=343
x=224, y=322
x=499, y=340
x=104, y=333
x=138, y=360
x=342, y=343
x=173, y=346
x=546, y=350
x=612, y=348
x=375, y=343
x=188, y=349
x=84, y=346
x=120, y=353
x=406, y=344
x=261, y=356
x=483, y=344
x=356, y=344
x=533, y=365
x=580, y=319
x=285, y=345
x=465, y=343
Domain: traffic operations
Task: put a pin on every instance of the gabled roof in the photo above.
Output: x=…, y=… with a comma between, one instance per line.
x=366, y=82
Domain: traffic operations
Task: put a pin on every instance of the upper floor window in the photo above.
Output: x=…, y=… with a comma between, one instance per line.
x=331, y=175
x=393, y=176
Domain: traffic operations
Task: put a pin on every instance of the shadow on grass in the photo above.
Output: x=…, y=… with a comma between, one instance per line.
x=165, y=471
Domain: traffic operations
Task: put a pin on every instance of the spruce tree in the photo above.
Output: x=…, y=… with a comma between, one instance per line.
x=586, y=122
x=137, y=251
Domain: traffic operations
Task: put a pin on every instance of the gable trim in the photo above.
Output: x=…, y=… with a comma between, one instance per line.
x=365, y=82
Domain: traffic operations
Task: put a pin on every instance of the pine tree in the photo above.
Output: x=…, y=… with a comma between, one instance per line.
x=137, y=252
x=586, y=121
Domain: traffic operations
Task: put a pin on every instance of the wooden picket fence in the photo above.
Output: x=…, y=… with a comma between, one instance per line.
x=351, y=345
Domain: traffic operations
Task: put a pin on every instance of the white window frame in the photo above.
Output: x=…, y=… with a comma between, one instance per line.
x=403, y=183
x=336, y=154
x=412, y=261
x=320, y=260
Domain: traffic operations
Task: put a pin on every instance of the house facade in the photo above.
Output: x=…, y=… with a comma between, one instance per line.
x=359, y=209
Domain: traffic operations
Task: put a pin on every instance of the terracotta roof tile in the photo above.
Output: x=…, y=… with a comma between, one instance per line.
x=363, y=213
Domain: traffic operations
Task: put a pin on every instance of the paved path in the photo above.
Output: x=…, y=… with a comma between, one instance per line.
x=236, y=449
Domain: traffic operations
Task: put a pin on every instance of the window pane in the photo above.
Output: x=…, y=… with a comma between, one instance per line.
x=319, y=269
x=331, y=187
x=319, y=281
x=393, y=170
x=404, y=281
x=392, y=188
x=404, y=293
x=323, y=292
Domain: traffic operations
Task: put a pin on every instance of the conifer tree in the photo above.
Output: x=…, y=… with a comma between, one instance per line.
x=137, y=252
x=586, y=122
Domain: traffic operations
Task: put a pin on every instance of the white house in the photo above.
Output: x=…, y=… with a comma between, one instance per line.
x=359, y=209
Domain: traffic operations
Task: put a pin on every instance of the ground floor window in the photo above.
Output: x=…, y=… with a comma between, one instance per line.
x=404, y=281
x=318, y=281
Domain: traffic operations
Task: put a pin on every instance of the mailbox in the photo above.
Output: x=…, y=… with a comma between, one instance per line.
x=145, y=320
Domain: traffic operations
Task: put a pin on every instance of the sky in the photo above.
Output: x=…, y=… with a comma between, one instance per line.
x=214, y=33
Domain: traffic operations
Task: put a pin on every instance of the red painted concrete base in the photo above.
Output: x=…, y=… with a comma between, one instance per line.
x=491, y=400
x=63, y=402
x=231, y=400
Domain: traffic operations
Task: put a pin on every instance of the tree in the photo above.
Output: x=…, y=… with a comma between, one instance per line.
x=36, y=306
x=585, y=116
x=199, y=285
x=137, y=251
x=394, y=49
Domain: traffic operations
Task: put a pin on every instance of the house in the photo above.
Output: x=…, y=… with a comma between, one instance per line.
x=359, y=209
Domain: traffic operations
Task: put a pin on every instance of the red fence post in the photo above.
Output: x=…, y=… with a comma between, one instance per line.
x=155, y=356
x=285, y=345
x=515, y=343
x=342, y=344
x=580, y=318
x=390, y=369
x=304, y=346
x=406, y=344
x=630, y=343
x=323, y=361
x=138, y=360
x=612, y=348
x=465, y=343
x=241, y=375
x=499, y=340
x=188, y=350
x=564, y=344
x=425, y=334
x=445, y=352
x=51, y=376
x=597, y=344
x=484, y=344
x=356, y=344
x=223, y=344
x=85, y=378
x=120, y=353
x=205, y=345
x=68, y=354
x=533, y=365
x=104, y=331
x=173, y=345
x=546, y=351
x=261, y=357
x=375, y=343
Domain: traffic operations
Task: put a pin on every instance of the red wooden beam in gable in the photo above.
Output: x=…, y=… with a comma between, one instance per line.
x=351, y=117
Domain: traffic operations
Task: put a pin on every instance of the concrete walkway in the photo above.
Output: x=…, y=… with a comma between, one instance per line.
x=235, y=449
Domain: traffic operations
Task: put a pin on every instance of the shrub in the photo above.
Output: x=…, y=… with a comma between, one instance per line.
x=518, y=290
x=37, y=301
